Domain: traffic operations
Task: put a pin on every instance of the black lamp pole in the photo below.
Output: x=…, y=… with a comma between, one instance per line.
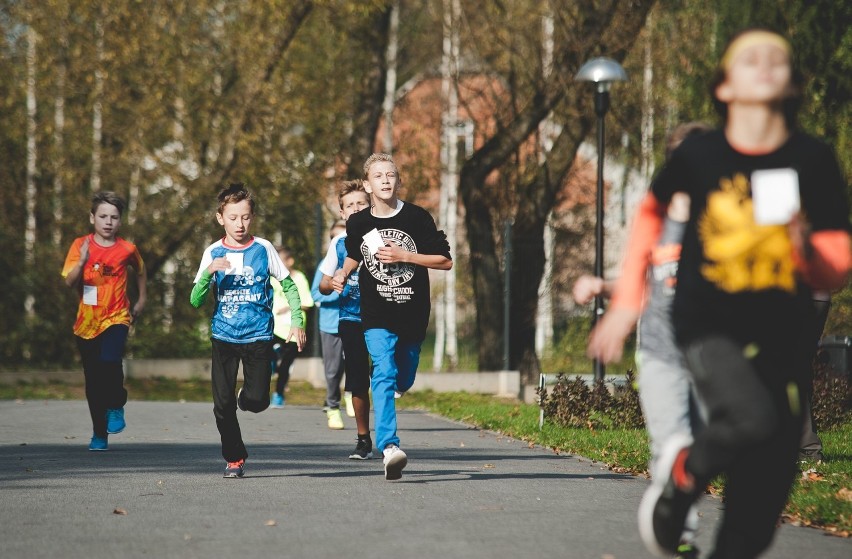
x=602, y=72
x=601, y=108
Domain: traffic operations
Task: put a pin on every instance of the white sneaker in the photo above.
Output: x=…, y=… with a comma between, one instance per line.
x=395, y=460
x=350, y=409
x=335, y=420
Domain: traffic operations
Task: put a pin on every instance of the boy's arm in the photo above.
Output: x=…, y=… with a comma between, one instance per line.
x=823, y=258
x=321, y=288
x=338, y=281
x=297, y=315
x=141, y=285
x=588, y=287
x=392, y=253
x=73, y=273
x=200, y=289
x=291, y=292
x=606, y=341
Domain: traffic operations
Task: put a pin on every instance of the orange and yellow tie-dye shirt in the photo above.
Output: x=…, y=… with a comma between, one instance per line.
x=103, y=289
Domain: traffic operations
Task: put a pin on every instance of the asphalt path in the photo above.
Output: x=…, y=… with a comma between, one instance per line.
x=159, y=492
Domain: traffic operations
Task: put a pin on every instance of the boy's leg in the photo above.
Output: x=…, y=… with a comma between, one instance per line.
x=756, y=489
x=752, y=435
x=664, y=394
x=257, y=372
x=332, y=360
x=382, y=347
x=407, y=359
x=357, y=366
x=285, y=360
x=90, y=351
x=113, y=342
x=223, y=373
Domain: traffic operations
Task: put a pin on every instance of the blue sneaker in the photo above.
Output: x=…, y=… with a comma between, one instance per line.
x=98, y=443
x=115, y=421
x=277, y=401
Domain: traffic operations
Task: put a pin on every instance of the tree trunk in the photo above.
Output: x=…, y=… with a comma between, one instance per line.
x=390, y=78
x=31, y=193
x=97, y=106
x=610, y=30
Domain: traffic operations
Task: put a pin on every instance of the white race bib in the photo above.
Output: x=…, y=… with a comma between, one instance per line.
x=775, y=195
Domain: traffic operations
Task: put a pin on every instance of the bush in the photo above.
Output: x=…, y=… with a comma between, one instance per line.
x=572, y=403
x=832, y=398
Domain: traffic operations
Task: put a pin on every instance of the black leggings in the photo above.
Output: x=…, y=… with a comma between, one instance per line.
x=754, y=406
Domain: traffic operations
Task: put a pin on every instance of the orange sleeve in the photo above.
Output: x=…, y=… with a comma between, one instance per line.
x=829, y=264
x=647, y=225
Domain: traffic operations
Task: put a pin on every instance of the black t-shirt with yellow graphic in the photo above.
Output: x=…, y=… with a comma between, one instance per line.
x=736, y=276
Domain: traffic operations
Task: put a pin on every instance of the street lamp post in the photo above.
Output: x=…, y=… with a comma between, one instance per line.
x=602, y=72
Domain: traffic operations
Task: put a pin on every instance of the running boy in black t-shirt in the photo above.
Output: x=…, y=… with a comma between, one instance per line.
x=742, y=310
x=397, y=243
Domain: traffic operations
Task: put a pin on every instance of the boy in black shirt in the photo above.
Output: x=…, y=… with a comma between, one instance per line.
x=397, y=243
x=742, y=310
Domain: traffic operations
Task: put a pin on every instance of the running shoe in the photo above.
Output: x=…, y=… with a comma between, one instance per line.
x=363, y=449
x=394, y=460
x=686, y=551
x=277, y=401
x=350, y=409
x=665, y=506
x=235, y=469
x=98, y=443
x=115, y=421
x=335, y=420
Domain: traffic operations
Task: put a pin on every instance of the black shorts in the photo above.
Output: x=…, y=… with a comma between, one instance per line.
x=356, y=360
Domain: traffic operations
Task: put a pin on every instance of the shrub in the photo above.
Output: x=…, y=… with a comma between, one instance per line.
x=832, y=398
x=572, y=403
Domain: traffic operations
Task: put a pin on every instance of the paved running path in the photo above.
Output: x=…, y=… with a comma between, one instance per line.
x=466, y=493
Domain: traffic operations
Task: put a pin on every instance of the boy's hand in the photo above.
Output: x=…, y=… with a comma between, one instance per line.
x=297, y=335
x=219, y=265
x=799, y=231
x=606, y=342
x=391, y=253
x=338, y=281
x=587, y=288
x=137, y=310
x=84, y=252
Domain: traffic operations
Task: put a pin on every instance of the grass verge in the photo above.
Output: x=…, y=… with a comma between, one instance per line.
x=821, y=496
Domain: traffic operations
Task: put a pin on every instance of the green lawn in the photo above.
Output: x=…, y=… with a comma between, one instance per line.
x=821, y=497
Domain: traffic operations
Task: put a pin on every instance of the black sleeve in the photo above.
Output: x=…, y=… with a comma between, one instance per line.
x=354, y=238
x=824, y=195
x=434, y=241
x=670, y=178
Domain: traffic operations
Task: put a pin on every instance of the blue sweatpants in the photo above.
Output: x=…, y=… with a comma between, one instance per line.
x=394, y=368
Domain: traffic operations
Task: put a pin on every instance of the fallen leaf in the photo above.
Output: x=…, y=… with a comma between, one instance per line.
x=488, y=466
x=270, y=523
x=845, y=494
x=120, y=511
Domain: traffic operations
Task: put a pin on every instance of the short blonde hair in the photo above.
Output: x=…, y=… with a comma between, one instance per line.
x=348, y=187
x=375, y=158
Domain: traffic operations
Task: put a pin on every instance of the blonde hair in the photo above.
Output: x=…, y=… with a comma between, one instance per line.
x=348, y=187
x=377, y=157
